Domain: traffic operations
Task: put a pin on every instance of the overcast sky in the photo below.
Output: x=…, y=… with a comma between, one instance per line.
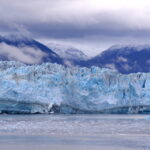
x=91, y=25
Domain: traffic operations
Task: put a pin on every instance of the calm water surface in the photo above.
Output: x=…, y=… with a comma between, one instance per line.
x=74, y=132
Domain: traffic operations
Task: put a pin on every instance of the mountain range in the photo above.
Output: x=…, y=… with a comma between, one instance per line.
x=122, y=58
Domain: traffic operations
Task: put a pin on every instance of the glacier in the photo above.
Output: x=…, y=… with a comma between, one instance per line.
x=54, y=88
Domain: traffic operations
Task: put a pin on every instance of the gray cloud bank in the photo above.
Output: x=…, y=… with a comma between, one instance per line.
x=89, y=24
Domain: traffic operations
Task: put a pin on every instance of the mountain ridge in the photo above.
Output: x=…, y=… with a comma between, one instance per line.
x=22, y=43
x=125, y=59
x=122, y=58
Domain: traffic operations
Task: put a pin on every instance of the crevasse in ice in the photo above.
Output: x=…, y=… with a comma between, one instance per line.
x=53, y=88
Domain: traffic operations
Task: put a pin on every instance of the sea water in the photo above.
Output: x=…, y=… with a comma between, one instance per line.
x=74, y=132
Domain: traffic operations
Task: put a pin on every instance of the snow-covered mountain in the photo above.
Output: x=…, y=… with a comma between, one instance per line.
x=53, y=88
x=69, y=54
x=125, y=59
x=26, y=50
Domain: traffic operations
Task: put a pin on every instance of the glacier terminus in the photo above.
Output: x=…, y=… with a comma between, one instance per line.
x=54, y=88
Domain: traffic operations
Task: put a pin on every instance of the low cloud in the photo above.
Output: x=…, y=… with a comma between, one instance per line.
x=24, y=54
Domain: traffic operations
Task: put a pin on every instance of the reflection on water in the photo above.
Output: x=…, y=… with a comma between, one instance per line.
x=106, y=132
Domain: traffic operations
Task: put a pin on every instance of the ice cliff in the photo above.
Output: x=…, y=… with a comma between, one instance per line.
x=53, y=88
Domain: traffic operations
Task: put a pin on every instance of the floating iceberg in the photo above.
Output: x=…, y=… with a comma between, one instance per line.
x=53, y=88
